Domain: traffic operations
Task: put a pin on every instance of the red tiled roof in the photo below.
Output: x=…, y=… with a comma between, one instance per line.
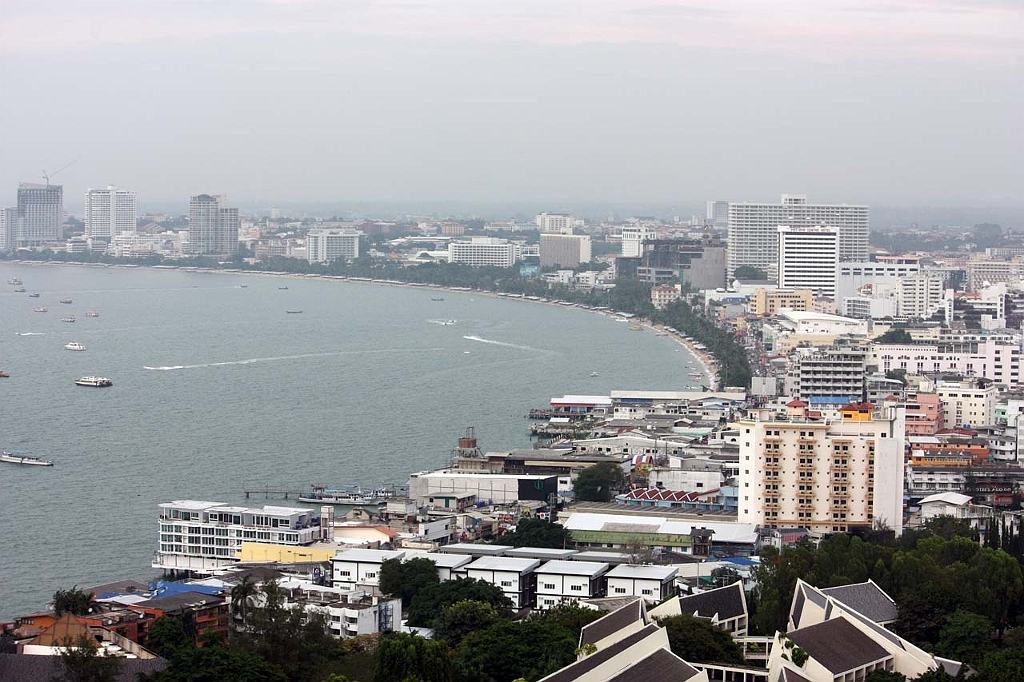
x=796, y=403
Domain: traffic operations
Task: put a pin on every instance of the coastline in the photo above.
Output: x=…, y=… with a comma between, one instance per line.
x=703, y=358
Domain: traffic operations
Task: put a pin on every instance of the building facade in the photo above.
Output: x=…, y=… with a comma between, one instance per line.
x=109, y=212
x=771, y=301
x=481, y=251
x=558, y=223
x=325, y=246
x=808, y=257
x=700, y=264
x=830, y=372
x=40, y=214
x=212, y=226
x=919, y=296
x=565, y=250
x=828, y=474
x=753, y=230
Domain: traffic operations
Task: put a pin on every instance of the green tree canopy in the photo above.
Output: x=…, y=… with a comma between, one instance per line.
x=167, y=635
x=895, y=335
x=457, y=621
x=965, y=636
x=530, y=649
x=82, y=661
x=73, y=601
x=537, y=533
x=405, y=579
x=696, y=640
x=217, y=664
x=598, y=482
x=749, y=272
x=433, y=599
x=402, y=658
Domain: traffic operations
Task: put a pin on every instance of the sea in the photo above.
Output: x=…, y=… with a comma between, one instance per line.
x=218, y=389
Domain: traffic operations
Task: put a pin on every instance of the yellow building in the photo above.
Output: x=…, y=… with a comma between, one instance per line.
x=770, y=301
x=285, y=554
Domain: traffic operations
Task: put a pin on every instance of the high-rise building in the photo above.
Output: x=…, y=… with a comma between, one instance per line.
x=565, y=250
x=558, y=223
x=633, y=238
x=212, y=227
x=8, y=219
x=718, y=213
x=695, y=262
x=919, y=296
x=324, y=246
x=40, y=214
x=827, y=473
x=109, y=212
x=483, y=251
x=807, y=259
x=753, y=230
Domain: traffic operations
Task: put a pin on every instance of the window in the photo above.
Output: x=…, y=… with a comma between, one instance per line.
x=646, y=592
x=548, y=586
x=620, y=590
x=344, y=573
x=508, y=583
x=576, y=588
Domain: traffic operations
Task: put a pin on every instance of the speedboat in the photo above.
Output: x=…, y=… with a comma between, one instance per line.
x=15, y=281
x=39, y=310
x=3, y=374
x=33, y=295
x=18, y=458
x=594, y=374
x=19, y=290
x=69, y=318
x=65, y=300
x=94, y=382
x=91, y=313
x=74, y=345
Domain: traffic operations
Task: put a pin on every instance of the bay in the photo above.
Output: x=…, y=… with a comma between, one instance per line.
x=218, y=389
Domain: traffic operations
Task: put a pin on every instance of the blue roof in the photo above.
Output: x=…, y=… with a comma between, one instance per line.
x=832, y=399
x=740, y=561
x=163, y=588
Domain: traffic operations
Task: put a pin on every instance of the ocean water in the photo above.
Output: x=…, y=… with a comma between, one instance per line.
x=217, y=390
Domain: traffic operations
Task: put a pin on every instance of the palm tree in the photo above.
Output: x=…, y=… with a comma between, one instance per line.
x=240, y=595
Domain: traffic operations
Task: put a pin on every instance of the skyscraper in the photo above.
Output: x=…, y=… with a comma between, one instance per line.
x=808, y=257
x=212, y=227
x=565, y=250
x=40, y=214
x=109, y=212
x=754, y=237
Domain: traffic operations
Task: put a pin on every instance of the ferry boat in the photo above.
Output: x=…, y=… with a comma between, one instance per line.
x=91, y=313
x=349, y=494
x=437, y=299
x=40, y=310
x=65, y=300
x=33, y=295
x=18, y=458
x=69, y=318
x=15, y=281
x=94, y=382
x=74, y=345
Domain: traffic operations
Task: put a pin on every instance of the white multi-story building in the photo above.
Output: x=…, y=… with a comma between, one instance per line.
x=919, y=296
x=753, y=230
x=827, y=474
x=324, y=246
x=565, y=250
x=717, y=213
x=200, y=536
x=39, y=215
x=651, y=583
x=515, y=577
x=982, y=272
x=212, y=226
x=852, y=277
x=968, y=403
x=8, y=220
x=563, y=581
x=110, y=212
x=994, y=359
x=349, y=614
x=358, y=566
x=633, y=237
x=559, y=223
x=480, y=251
x=808, y=257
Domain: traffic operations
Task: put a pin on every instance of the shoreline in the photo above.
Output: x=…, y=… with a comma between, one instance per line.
x=702, y=358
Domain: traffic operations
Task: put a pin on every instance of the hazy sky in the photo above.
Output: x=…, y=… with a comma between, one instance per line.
x=497, y=100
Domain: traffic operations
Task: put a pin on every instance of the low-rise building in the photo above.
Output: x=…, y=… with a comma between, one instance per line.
x=650, y=583
x=352, y=567
x=771, y=301
x=515, y=577
x=725, y=607
x=561, y=581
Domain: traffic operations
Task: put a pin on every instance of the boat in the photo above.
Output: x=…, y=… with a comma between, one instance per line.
x=348, y=494
x=40, y=310
x=33, y=295
x=697, y=375
x=69, y=318
x=437, y=299
x=91, y=313
x=282, y=288
x=636, y=328
x=65, y=300
x=18, y=458
x=19, y=290
x=74, y=345
x=94, y=382
x=293, y=312
x=15, y=281
x=3, y=374
x=594, y=374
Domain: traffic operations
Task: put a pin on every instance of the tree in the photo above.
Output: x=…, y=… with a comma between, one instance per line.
x=73, y=601
x=597, y=482
x=216, y=664
x=406, y=579
x=698, y=641
x=167, y=635
x=241, y=595
x=433, y=599
x=537, y=533
x=885, y=676
x=402, y=657
x=530, y=649
x=966, y=637
x=895, y=335
x=457, y=621
x=749, y=272
x=82, y=661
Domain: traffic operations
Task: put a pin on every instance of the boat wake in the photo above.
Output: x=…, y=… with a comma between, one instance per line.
x=31, y=333
x=278, y=358
x=442, y=322
x=499, y=343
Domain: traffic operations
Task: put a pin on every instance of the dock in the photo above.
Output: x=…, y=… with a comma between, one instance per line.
x=267, y=493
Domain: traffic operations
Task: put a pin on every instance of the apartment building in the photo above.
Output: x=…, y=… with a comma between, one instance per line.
x=919, y=296
x=557, y=223
x=39, y=215
x=967, y=403
x=109, y=212
x=515, y=577
x=633, y=238
x=851, y=277
x=830, y=372
x=771, y=301
x=481, y=251
x=829, y=473
x=977, y=356
x=650, y=583
x=808, y=256
x=358, y=566
x=564, y=250
x=325, y=246
x=925, y=414
x=212, y=226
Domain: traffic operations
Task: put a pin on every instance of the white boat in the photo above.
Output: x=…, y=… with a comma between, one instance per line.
x=94, y=382
x=39, y=310
x=15, y=281
x=69, y=318
x=91, y=313
x=594, y=374
x=74, y=345
x=349, y=494
x=18, y=458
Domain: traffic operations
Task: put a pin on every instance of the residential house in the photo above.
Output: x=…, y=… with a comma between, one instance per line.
x=651, y=583
x=515, y=577
x=560, y=581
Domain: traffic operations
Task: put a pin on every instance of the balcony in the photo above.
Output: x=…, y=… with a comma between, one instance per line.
x=805, y=467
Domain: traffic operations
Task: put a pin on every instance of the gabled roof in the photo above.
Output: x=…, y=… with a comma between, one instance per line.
x=660, y=666
x=576, y=670
x=838, y=645
x=723, y=603
x=616, y=620
x=867, y=599
x=20, y=667
x=67, y=628
x=787, y=674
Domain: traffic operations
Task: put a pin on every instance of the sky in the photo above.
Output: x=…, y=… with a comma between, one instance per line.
x=899, y=103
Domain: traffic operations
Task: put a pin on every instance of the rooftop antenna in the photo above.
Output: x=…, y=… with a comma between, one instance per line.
x=50, y=175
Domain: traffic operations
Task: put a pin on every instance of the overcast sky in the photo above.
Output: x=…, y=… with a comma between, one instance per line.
x=497, y=100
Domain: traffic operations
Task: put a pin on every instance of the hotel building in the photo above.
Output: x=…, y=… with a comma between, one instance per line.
x=324, y=246
x=212, y=227
x=808, y=257
x=480, y=251
x=109, y=212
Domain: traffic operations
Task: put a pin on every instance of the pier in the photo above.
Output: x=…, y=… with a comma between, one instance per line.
x=277, y=494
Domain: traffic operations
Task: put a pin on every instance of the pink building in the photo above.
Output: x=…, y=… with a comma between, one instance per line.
x=925, y=416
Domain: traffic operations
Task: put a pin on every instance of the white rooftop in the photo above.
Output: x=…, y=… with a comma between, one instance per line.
x=582, y=400
x=809, y=315
x=724, y=531
x=506, y=564
x=367, y=555
x=949, y=498
x=588, y=568
x=190, y=505
x=644, y=572
x=449, y=561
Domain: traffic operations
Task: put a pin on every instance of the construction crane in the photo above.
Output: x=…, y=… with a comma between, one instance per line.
x=48, y=176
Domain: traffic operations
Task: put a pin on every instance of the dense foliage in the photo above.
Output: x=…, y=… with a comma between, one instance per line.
x=405, y=579
x=432, y=599
x=696, y=640
x=73, y=601
x=537, y=533
x=733, y=363
x=599, y=482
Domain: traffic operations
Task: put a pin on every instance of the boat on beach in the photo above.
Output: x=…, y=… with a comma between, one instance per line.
x=19, y=458
x=94, y=382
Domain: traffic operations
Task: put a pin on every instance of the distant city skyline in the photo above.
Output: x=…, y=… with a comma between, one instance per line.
x=614, y=101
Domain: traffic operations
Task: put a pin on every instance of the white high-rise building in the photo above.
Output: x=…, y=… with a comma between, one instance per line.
x=212, y=227
x=753, y=236
x=827, y=474
x=481, y=251
x=40, y=214
x=633, y=238
x=919, y=296
x=109, y=212
x=324, y=246
x=807, y=259
x=8, y=220
x=558, y=223
x=717, y=213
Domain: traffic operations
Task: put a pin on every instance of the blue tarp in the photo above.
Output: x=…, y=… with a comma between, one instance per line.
x=163, y=588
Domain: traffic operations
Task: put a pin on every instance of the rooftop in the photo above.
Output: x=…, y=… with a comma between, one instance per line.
x=867, y=599
x=506, y=564
x=474, y=549
x=587, y=568
x=367, y=555
x=660, y=666
x=838, y=645
x=639, y=572
x=723, y=603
